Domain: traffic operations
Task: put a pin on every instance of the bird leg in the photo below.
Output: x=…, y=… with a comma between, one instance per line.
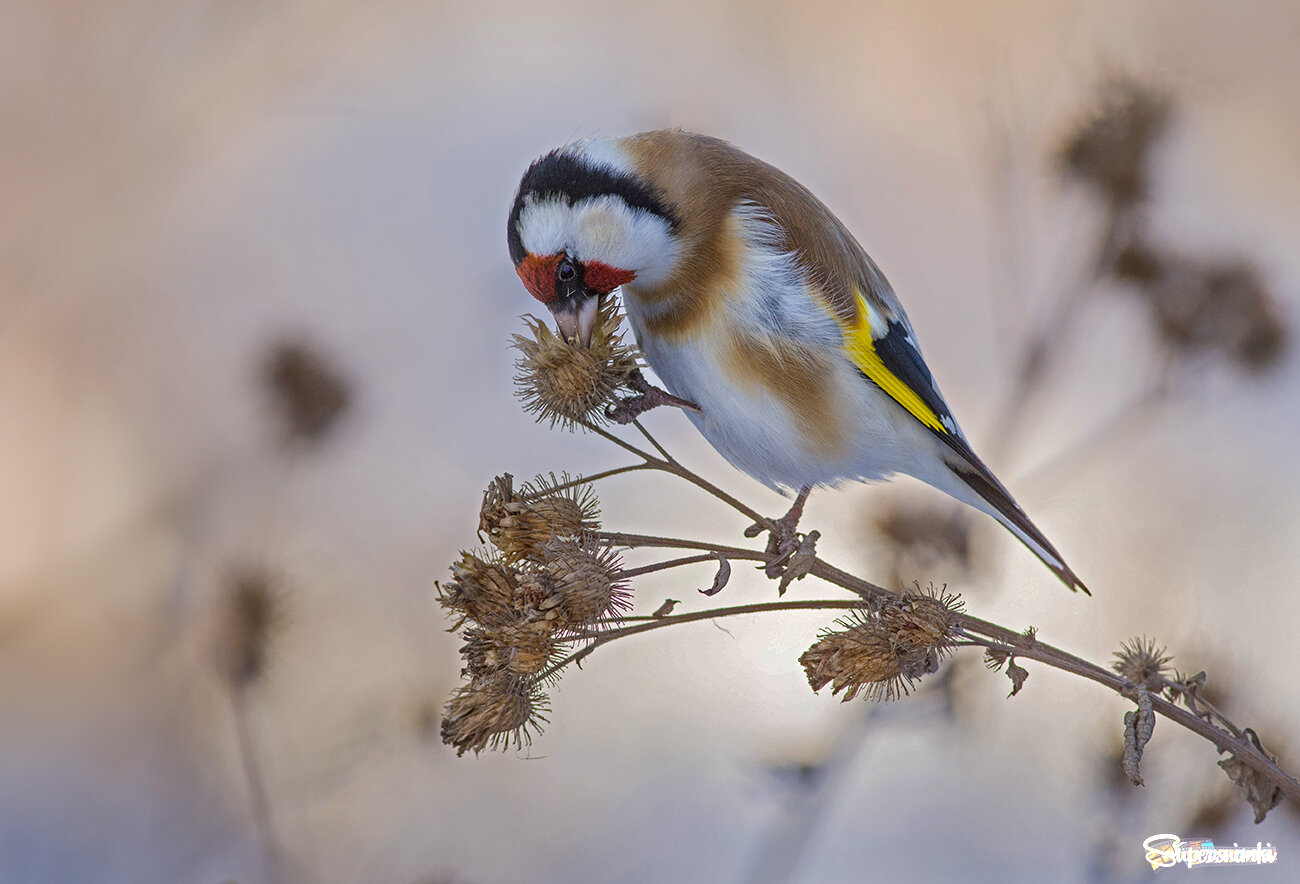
x=648, y=396
x=783, y=539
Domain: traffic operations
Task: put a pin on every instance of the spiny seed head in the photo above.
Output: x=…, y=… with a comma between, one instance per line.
x=883, y=654
x=519, y=522
x=493, y=713
x=857, y=659
x=1110, y=149
x=921, y=622
x=309, y=393
x=538, y=596
x=1139, y=661
x=587, y=578
x=566, y=383
x=521, y=648
x=481, y=589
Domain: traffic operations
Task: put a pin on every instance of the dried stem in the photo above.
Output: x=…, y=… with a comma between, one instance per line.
x=1028, y=647
x=1228, y=738
x=674, y=468
x=653, y=441
x=628, y=573
x=596, y=477
x=634, y=541
x=1199, y=718
x=608, y=635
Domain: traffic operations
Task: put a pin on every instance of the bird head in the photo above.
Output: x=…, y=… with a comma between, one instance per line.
x=583, y=223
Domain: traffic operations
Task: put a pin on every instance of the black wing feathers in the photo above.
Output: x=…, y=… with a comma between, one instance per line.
x=898, y=352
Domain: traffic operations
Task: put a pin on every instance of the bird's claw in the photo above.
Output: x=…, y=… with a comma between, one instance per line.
x=782, y=543
x=624, y=411
x=800, y=562
x=781, y=547
x=787, y=551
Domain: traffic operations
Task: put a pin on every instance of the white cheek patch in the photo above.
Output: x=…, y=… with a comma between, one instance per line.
x=604, y=229
x=608, y=231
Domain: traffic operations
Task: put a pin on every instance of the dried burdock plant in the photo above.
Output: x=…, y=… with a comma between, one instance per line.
x=482, y=589
x=309, y=394
x=1141, y=662
x=882, y=654
x=856, y=658
x=554, y=588
x=493, y=713
x=519, y=521
x=588, y=579
x=565, y=383
x=922, y=625
x=549, y=583
x=1110, y=149
x=519, y=649
x=1196, y=304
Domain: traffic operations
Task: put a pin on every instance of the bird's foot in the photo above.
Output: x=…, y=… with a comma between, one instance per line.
x=786, y=546
x=624, y=411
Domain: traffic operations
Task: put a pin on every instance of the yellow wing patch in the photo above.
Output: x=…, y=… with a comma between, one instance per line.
x=860, y=346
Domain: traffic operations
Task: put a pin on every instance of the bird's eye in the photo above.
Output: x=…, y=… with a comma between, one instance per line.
x=566, y=271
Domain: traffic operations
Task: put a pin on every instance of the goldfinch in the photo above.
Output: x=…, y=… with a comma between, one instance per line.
x=750, y=299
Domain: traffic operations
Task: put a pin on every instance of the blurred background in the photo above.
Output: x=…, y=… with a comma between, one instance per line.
x=255, y=307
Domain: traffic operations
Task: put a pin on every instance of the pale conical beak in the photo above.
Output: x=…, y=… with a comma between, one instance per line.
x=575, y=317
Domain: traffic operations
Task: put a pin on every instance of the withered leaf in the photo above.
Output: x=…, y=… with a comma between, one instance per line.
x=1017, y=674
x=720, y=579
x=1138, y=727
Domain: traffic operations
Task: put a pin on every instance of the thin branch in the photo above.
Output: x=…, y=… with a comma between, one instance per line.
x=974, y=628
x=653, y=441
x=600, y=638
x=663, y=566
x=596, y=477
x=1032, y=649
x=682, y=472
x=635, y=541
x=673, y=467
x=649, y=458
x=1023, y=646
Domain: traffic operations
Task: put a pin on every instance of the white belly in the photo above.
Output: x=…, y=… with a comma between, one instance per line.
x=754, y=430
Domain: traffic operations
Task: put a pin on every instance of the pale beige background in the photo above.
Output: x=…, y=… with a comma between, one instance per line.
x=183, y=182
